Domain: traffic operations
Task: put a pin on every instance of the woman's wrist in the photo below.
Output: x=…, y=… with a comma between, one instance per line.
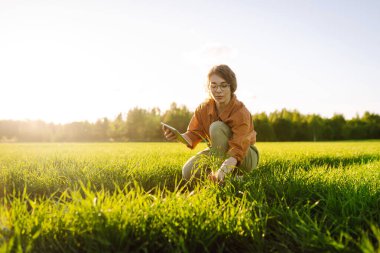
x=227, y=167
x=187, y=138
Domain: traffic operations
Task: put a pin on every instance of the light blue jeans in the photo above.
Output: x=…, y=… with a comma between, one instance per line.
x=220, y=133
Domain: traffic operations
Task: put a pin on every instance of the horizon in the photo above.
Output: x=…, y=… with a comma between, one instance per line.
x=124, y=115
x=70, y=61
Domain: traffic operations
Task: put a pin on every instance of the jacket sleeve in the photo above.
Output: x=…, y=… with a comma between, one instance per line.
x=194, y=129
x=242, y=135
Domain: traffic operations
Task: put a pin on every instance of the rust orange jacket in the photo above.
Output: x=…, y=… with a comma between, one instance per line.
x=235, y=115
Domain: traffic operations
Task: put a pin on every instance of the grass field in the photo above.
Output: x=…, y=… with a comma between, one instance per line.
x=128, y=197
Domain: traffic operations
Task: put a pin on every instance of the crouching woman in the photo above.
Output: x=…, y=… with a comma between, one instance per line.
x=226, y=124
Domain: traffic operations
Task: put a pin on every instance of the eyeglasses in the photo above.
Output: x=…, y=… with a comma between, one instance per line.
x=222, y=86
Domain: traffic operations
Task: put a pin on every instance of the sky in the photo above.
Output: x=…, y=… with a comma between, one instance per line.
x=76, y=60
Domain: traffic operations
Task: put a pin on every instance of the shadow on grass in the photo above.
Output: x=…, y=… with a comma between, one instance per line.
x=308, y=163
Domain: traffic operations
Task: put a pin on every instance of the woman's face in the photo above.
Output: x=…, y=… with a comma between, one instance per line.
x=220, y=90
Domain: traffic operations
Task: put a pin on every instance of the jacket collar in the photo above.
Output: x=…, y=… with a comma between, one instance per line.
x=212, y=107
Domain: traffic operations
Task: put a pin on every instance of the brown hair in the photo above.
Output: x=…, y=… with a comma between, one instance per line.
x=226, y=73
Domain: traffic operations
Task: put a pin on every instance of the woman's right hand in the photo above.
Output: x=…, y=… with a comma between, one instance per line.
x=169, y=135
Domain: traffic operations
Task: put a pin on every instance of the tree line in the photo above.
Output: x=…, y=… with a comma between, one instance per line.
x=144, y=125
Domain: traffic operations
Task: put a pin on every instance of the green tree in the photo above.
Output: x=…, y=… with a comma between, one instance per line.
x=77, y=131
x=117, y=129
x=143, y=125
x=101, y=130
x=356, y=129
x=337, y=123
x=372, y=123
x=178, y=117
x=263, y=128
x=315, y=126
x=282, y=125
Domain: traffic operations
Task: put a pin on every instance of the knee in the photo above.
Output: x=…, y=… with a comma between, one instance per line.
x=186, y=169
x=219, y=127
x=186, y=174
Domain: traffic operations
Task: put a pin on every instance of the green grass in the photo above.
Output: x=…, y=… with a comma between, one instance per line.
x=129, y=197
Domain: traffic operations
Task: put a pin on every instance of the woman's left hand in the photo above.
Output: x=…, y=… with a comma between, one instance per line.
x=217, y=176
x=227, y=167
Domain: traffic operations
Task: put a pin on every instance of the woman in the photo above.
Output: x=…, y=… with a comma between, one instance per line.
x=227, y=125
